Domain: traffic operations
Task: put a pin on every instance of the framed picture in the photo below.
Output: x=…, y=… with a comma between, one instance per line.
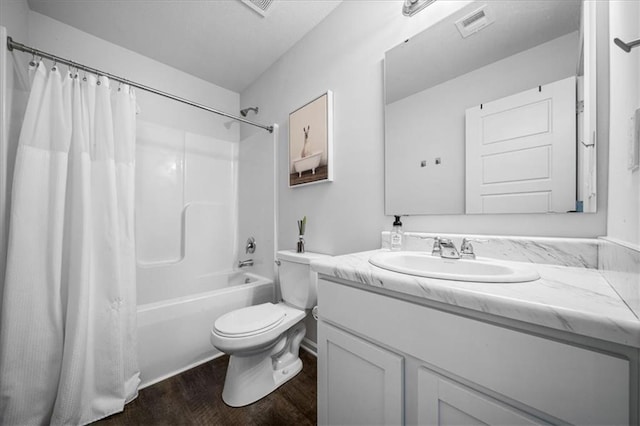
x=311, y=142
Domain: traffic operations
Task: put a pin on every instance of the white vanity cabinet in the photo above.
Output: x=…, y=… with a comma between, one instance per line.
x=385, y=360
x=363, y=382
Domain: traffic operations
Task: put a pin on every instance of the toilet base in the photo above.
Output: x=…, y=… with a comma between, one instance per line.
x=252, y=377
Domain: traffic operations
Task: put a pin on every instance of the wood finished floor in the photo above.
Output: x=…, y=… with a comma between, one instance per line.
x=195, y=398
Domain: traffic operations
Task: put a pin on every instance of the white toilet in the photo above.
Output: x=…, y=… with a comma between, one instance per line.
x=263, y=340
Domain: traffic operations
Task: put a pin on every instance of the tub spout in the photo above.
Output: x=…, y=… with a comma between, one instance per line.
x=244, y=263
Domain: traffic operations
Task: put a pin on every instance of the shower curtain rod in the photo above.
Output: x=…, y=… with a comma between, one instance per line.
x=11, y=45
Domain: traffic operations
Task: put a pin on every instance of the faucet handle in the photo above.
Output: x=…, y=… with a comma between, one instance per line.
x=250, y=248
x=436, y=250
x=466, y=249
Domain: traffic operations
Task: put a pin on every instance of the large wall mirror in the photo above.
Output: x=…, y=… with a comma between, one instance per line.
x=492, y=110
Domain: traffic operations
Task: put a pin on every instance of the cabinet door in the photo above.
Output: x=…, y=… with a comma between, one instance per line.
x=358, y=381
x=444, y=402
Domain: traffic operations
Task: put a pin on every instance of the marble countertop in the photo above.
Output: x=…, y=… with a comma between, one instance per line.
x=574, y=299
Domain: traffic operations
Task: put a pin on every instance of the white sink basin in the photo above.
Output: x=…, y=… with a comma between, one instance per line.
x=426, y=265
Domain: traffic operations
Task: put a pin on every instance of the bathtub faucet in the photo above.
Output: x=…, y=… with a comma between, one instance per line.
x=244, y=263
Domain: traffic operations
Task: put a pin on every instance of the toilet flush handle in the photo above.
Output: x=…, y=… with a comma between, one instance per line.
x=277, y=262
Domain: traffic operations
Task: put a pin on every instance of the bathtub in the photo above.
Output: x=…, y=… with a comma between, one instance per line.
x=173, y=334
x=310, y=162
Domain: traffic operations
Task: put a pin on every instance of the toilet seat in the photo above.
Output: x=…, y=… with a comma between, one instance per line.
x=249, y=321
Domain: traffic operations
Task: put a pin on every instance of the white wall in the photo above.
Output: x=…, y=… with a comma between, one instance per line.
x=68, y=42
x=256, y=212
x=624, y=185
x=344, y=54
x=13, y=90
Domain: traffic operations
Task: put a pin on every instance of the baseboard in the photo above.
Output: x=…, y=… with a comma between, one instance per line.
x=309, y=346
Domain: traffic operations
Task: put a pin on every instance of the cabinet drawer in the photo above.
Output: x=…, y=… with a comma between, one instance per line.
x=569, y=383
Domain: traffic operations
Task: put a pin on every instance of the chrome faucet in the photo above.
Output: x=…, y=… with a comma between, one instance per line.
x=436, y=250
x=447, y=248
x=250, y=248
x=444, y=247
x=466, y=249
x=244, y=263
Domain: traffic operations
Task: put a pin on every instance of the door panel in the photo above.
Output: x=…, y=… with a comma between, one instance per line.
x=523, y=147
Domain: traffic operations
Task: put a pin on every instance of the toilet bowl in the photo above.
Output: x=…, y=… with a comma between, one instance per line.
x=263, y=341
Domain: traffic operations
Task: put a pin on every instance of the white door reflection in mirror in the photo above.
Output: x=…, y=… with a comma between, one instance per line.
x=521, y=152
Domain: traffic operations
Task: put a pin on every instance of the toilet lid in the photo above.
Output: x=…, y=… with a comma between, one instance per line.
x=250, y=320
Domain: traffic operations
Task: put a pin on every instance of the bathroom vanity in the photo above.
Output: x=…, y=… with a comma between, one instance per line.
x=396, y=348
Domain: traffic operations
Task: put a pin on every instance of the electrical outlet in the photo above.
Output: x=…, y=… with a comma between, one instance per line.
x=633, y=160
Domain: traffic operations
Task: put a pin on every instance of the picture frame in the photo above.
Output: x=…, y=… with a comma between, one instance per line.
x=311, y=142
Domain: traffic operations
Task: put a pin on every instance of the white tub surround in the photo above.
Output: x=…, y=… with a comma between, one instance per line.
x=575, y=300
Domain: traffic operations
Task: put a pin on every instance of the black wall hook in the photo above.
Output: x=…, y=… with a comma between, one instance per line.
x=626, y=46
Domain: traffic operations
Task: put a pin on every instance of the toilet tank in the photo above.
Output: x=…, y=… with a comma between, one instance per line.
x=298, y=283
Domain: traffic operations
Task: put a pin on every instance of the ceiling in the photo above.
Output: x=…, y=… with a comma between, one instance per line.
x=221, y=41
x=440, y=53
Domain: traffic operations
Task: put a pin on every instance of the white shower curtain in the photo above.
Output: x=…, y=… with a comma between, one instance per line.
x=67, y=330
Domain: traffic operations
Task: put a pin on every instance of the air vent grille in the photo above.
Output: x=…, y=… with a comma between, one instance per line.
x=474, y=21
x=258, y=6
x=473, y=18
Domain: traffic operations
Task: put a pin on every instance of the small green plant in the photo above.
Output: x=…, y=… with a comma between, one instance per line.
x=301, y=225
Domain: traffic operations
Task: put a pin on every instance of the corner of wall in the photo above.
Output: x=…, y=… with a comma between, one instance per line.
x=623, y=222
x=14, y=16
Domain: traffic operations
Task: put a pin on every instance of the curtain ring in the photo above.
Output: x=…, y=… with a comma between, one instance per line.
x=54, y=68
x=33, y=63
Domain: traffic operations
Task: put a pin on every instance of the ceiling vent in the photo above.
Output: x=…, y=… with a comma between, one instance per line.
x=258, y=6
x=474, y=21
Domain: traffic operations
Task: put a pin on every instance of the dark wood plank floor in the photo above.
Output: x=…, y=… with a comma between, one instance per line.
x=195, y=398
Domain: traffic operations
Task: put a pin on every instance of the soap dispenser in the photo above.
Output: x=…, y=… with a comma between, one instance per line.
x=396, y=235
